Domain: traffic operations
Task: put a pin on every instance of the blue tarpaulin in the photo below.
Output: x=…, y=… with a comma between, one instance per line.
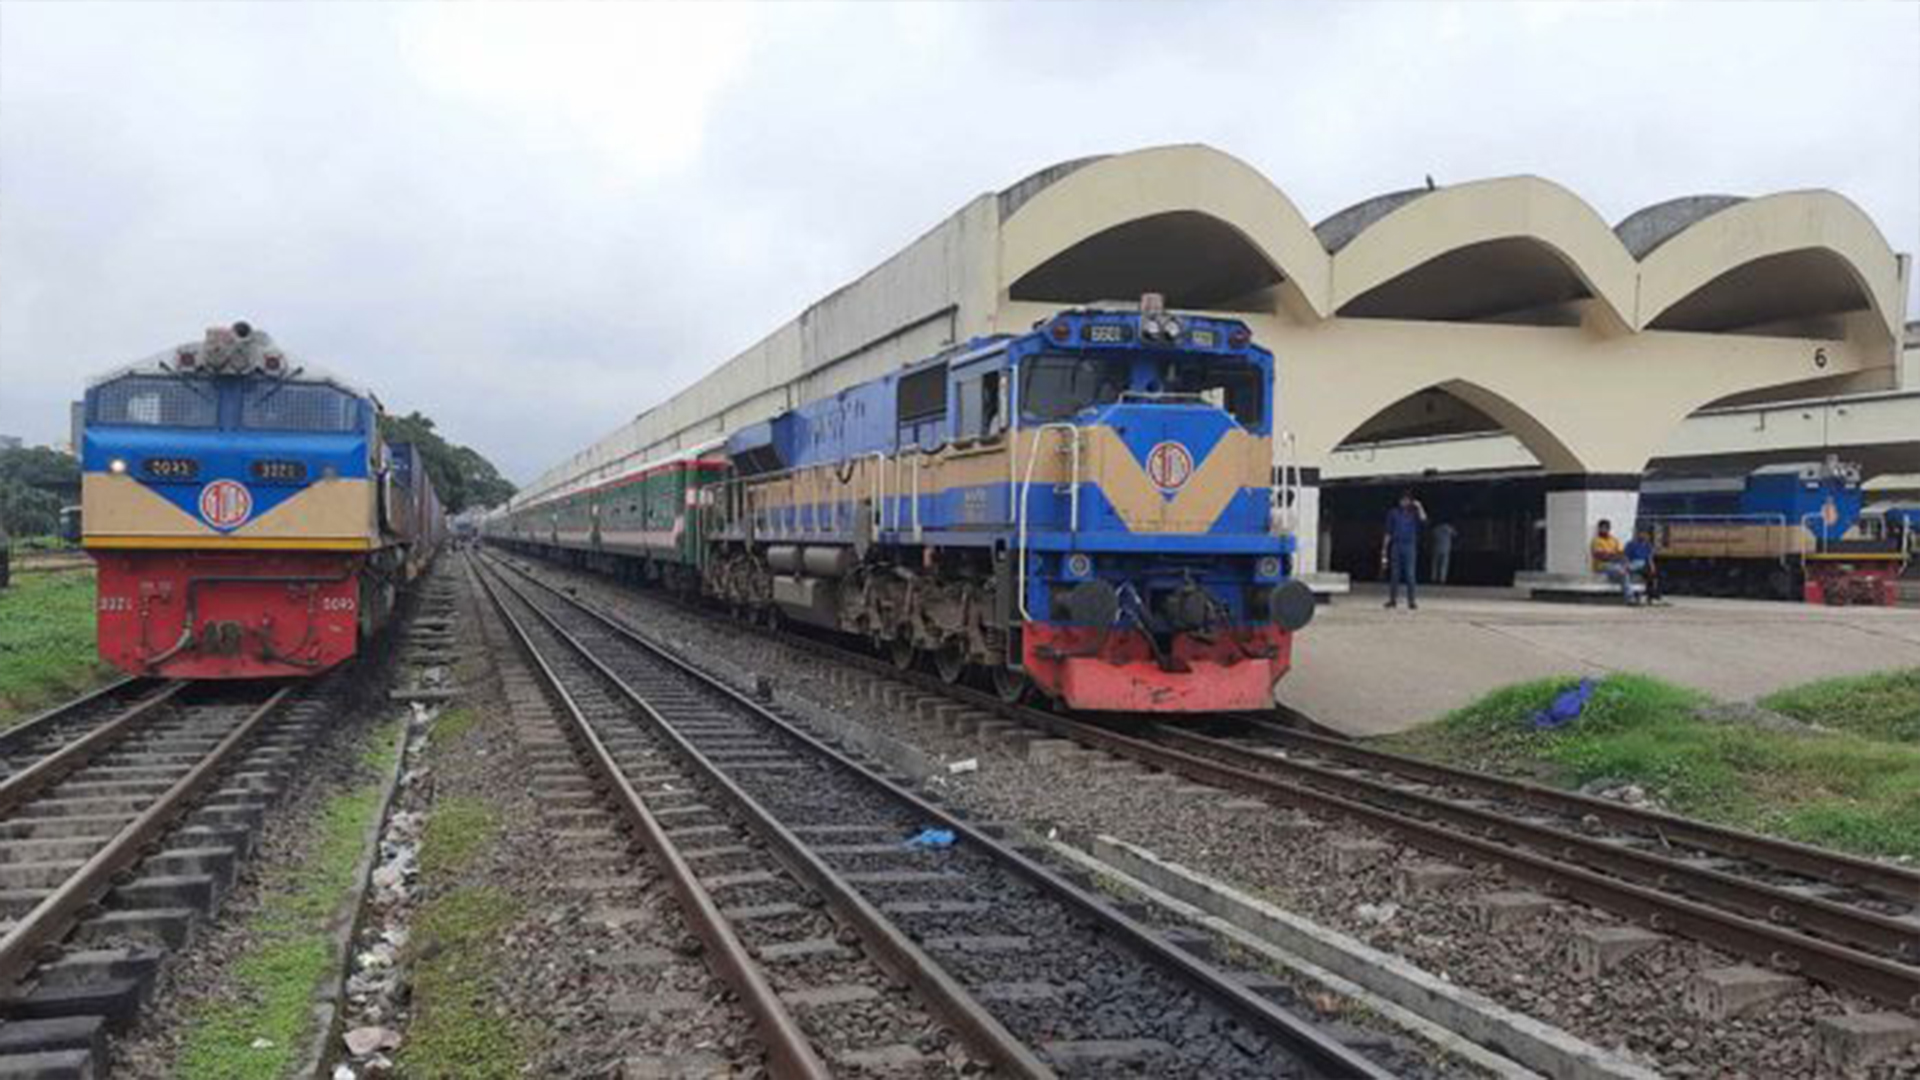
x=1566, y=707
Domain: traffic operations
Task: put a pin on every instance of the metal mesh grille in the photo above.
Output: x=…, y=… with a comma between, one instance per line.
x=298, y=407
x=157, y=402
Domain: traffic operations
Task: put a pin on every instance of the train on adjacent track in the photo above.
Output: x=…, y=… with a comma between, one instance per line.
x=1791, y=531
x=246, y=517
x=1090, y=511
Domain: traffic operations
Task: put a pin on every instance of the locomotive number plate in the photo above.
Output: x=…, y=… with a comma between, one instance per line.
x=171, y=468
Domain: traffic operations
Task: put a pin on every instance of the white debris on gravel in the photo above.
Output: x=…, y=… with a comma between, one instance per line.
x=376, y=982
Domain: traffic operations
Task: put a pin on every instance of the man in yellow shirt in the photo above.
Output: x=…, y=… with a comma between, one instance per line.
x=1610, y=558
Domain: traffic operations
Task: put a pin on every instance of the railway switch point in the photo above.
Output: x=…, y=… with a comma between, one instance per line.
x=1724, y=993
x=1598, y=949
x=1857, y=1040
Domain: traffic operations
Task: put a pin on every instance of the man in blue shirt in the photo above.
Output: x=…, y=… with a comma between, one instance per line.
x=1399, y=551
x=1640, y=561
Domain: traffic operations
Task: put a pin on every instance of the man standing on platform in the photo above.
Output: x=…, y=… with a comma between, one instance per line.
x=1443, y=535
x=1400, y=549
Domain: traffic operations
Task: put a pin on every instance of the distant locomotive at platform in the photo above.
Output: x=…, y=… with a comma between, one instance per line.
x=245, y=515
x=1789, y=532
x=1089, y=510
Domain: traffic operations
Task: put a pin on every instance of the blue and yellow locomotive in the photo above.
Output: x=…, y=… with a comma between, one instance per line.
x=245, y=516
x=1088, y=510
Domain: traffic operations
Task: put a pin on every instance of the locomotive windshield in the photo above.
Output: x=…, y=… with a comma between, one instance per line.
x=274, y=405
x=157, y=401
x=1056, y=387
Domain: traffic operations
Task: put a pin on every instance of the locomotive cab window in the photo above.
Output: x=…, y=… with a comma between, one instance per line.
x=1055, y=388
x=282, y=406
x=980, y=414
x=1240, y=389
x=154, y=401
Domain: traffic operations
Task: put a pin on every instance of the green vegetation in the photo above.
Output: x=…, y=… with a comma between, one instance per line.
x=257, y=1031
x=456, y=1031
x=458, y=829
x=456, y=1034
x=460, y=474
x=1845, y=790
x=1884, y=705
x=35, y=483
x=454, y=723
x=21, y=545
x=47, y=649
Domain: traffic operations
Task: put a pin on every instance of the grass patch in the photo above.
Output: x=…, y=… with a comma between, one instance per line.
x=1846, y=791
x=1883, y=705
x=459, y=829
x=456, y=1032
x=274, y=980
x=454, y=723
x=47, y=647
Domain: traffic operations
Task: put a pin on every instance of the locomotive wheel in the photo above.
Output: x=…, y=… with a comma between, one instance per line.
x=950, y=661
x=1013, y=686
x=901, y=651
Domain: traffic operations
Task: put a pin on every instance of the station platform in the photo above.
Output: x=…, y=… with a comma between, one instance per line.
x=1363, y=670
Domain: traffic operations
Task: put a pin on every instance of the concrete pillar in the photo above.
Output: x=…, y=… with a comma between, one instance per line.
x=1308, y=558
x=1576, y=504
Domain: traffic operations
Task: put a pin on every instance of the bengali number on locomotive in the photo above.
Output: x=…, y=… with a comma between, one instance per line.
x=225, y=504
x=281, y=472
x=171, y=468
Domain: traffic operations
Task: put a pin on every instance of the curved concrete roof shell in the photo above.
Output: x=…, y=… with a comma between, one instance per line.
x=1512, y=294
x=1656, y=258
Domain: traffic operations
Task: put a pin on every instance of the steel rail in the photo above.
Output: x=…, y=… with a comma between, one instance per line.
x=34, y=726
x=1835, y=867
x=43, y=773
x=1878, y=977
x=789, y=1053
x=1313, y=1047
x=1856, y=926
x=982, y=1033
x=53, y=916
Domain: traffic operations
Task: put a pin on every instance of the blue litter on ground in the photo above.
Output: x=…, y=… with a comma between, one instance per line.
x=932, y=838
x=1566, y=707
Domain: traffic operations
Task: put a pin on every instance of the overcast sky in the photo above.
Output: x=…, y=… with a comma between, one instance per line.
x=532, y=222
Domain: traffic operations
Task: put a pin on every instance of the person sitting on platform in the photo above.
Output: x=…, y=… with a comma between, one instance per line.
x=1640, y=561
x=1610, y=559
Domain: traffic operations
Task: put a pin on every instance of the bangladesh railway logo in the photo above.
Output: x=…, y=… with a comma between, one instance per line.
x=1169, y=466
x=225, y=504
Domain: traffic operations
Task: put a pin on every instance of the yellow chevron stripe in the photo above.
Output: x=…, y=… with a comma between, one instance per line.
x=221, y=543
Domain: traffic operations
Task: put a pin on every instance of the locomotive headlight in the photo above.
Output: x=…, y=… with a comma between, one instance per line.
x=118, y=466
x=1079, y=565
x=1267, y=567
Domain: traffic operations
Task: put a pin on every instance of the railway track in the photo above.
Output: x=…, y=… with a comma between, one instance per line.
x=1034, y=976
x=122, y=821
x=1848, y=922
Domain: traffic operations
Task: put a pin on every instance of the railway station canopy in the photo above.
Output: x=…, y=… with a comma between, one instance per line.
x=1500, y=305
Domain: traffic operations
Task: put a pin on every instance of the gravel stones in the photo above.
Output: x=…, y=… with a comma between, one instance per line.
x=1632, y=1006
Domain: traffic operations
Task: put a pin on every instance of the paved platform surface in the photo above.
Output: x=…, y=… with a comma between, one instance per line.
x=1364, y=670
